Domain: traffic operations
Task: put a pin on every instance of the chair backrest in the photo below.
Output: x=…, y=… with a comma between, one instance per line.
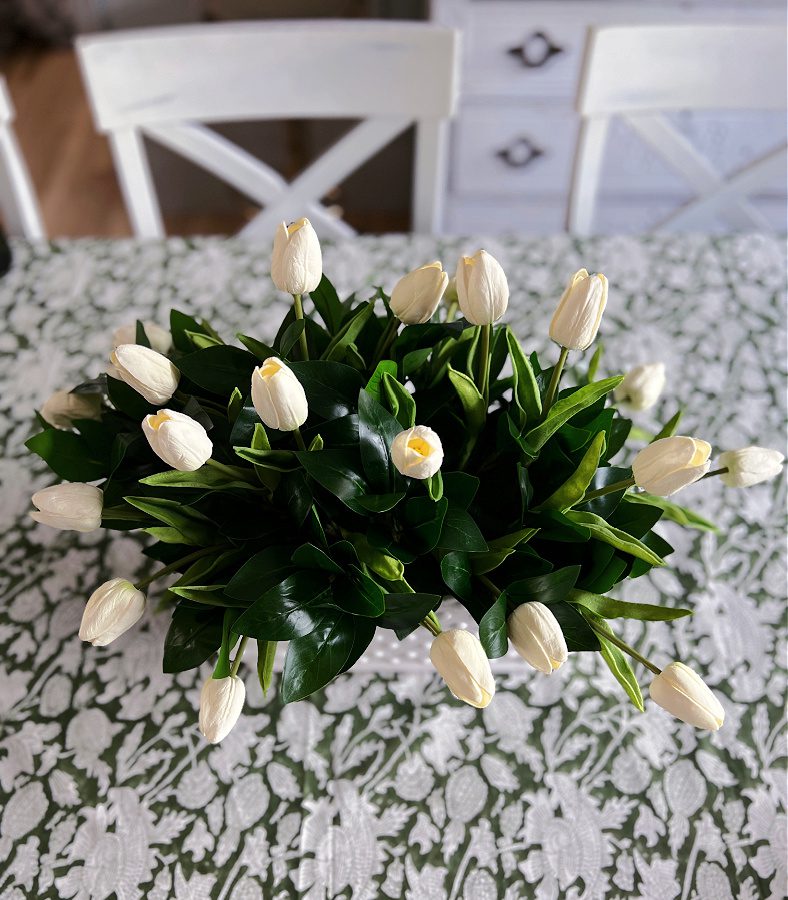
x=18, y=204
x=165, y=83
x=637, y=73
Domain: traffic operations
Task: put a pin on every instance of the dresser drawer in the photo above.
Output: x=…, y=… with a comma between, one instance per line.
x=482, y=216
x=501, y=150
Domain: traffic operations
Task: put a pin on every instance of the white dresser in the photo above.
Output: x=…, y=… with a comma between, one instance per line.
x=512, y=143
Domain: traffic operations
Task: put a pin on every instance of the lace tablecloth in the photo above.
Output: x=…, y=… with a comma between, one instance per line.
x=382, y=785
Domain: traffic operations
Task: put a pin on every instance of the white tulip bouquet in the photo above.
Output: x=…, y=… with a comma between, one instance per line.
x=375, y=457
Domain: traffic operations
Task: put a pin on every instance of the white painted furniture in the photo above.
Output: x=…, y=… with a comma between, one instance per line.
x=166, y=84
x=514, y=136
x=21, y=216
x=679, y=67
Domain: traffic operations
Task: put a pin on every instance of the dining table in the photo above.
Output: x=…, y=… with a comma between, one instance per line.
x=382, y=784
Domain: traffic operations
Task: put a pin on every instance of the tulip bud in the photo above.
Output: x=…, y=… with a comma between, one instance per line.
x=684, y=694
x=750, y=466
x=71, y=506
x=63, y=407
x=147, y=371
x=641, y=387
x=536, y=635
x=177, y=439
x=221, y=702
x=416, y=296
x=296, y=263
x=417, y=452
x=159, y=338
x=278, y=396
x=112, y=609
x=576, y=320
x=462, y=663
x=668, y=465
x=482, y=289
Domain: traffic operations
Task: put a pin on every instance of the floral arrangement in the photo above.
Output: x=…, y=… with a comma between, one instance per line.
x=378, y=455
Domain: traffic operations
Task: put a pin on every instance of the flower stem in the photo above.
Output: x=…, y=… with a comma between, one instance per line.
x=451, y=311
x=299, y=314
x=608, y=489
x=484, y=364
x=552, y=388
x=622, y=645
x=299, y=439
x=389, y=333
x=175, y=566
x=715, y=472
x=486, y=581
x=239, y=655
x=430, y=626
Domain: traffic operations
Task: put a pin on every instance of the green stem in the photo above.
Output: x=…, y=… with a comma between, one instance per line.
x=608, y=489
x=486, y=581
x=484, y=364
x=435, y=620
x=430, y=626
x=389, y=333
x=175, y=566
x=622, y=645
x=239, y=655
x=552, y=389
x=451, y=310
x=299, y=314
x=299, y=439
x=715, y=472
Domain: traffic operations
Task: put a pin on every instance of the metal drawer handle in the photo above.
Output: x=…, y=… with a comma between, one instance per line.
x=520, y=153
x=535, y=50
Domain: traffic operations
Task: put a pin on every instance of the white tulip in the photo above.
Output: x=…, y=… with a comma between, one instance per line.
x=670, y=464
x=296, y=262
x=71, y=506
x=417, y=452
x=63, y=407
x=684, y=694
x=750, y=466
x=462, y=663
x=482, y=289
x=278, y=396
x=159, y=338
x=579, y=313
x=112, y=609
x=536, y=635
x=641, y=387
x=221, y=702
x=416, y=295
x=177, y=439
x=148, y=372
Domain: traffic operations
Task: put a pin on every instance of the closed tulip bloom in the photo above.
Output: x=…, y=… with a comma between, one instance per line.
x=482, y=289
x=278, y=396
x=159, y=338
x=63, y=407
x=536, y=635
x=296, y=263
x=112, y=609
x=668, y=465
x=462, y=663
x=750, y=465
x=221, y=702
x=641, y=386
x=71, y=507
x=417, y=452
x=684, y=694
x=416, y=295
x=579, y=313
x=148, y=372
x=177, y=439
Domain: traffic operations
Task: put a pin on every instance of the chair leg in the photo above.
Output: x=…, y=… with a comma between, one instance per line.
x=587, y=171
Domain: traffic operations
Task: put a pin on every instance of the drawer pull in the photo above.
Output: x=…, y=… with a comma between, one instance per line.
x=536, y=50
x=520, y=153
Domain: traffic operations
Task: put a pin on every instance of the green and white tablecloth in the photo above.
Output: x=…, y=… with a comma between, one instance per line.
x=382, y=785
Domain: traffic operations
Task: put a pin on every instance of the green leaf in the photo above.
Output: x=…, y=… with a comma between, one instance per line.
x=405, y=611
x=378, y=503
x=672, y=511
x=603, y=531
x=206, y=477
x=564, y=409
x=261, y=572
x=619, y=665
x=315, y=659
x=377, y=429
x=574, y=488
x=472, y=401
x=336, y=471
x=266, y=654
x=316, y=444
x=207, y=594
x=192, y=525
x=493, y=633
x=69, y=455
x=328, y=305
x=413, y=361
x=194, y=635
x=277, y=460
x=460, y=488
x=509, y=541
x=291, y=609
x=457, y=575
x=482, y=563
x=526, y=390
x=460, y=532
x=331, y=387
x=359, y=594
x=400, y=400
x=578, y=634
x=379, y=562
x=292, y=333
x=219, y=369
x=257, y=348
x=593, y=365
x=374, y=386
x=435, y=485
x=308, y=556
x=180, y=323
x=669, y=428
x=548, y=589
x=201, y=341
x=348, y=333
x=610, y=608
x=234, y=405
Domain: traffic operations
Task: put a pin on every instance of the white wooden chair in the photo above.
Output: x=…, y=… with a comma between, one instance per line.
x=18, y=205
x=167, y=83
x=640, y=72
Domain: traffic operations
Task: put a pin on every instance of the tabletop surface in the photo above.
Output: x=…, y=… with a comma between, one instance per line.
x=382, y=785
